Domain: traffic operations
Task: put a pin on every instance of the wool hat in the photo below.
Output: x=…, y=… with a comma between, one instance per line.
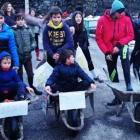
x=80, y=8
x=116, y=5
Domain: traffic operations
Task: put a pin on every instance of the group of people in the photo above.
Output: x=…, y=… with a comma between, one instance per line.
x=61, y=38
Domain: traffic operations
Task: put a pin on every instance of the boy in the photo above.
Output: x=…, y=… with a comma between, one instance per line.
x=56, y=36
x=25, y=43
x=66, y=73
x=114, y=31
x=10, y=84
x=7, y=42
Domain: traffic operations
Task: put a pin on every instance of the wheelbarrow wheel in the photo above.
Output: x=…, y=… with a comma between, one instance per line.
x=74, y=119
x=137, y=117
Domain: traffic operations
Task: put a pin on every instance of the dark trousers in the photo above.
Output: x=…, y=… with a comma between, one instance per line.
x=136, y=63
x=17, y=89
x=51, y=61
x=112, y=65
x=88, y=58
x=28, y=67
x=36, y=39
x=81, y=86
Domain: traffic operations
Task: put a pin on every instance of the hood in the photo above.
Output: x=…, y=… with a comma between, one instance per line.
x=116, y=5
x=60, y=63
x=17, y=27
x=3, y=54
x=5, y=27
x=61, y=25
x=107, y=14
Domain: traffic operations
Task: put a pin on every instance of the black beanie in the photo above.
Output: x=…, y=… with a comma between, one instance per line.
x=80, y=8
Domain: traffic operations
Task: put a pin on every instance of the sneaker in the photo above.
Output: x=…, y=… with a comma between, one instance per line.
x=38, y=59
x=98, y=79
x=21, y=98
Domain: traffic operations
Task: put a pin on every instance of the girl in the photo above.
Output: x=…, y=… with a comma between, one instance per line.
x=9, y=13
x=35, y=30
x=80, y=37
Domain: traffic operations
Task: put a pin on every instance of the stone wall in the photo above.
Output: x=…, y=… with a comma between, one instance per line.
x=94, y=7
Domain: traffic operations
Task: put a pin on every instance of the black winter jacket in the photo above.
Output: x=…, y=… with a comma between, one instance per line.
x=136, y=27
x=25, y=42
x=67, y=76
x=80, y=38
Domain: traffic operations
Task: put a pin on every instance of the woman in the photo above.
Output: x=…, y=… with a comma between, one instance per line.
x=80, y=37
x=35, y=30
x=9, y=13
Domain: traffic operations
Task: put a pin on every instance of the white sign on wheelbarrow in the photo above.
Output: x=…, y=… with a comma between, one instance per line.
x=11, y=109
x=72, y=100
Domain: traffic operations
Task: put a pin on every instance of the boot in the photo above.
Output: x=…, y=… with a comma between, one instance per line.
x=128, y=83
x=37, y=55
x=30, y=81
x=114, y=102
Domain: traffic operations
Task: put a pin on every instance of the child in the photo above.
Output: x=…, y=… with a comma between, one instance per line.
x=25, y=43
x=10, y=84
x=7, y=42
x=66, y=73
x=36, y=30
x=56, y=36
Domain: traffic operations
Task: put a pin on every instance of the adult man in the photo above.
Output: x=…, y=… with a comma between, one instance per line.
x=114, y=32
x=56, y=36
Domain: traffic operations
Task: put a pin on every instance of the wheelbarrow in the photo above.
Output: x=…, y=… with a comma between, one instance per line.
x=73, y=119
x=130, y=99
x=18, y=123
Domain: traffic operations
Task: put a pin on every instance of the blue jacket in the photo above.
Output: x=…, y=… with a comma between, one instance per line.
x=8, y=78
x=67, y=76
x=7, y=43
x=55, y=40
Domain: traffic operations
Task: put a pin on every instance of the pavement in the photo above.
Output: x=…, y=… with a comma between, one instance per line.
x=103, y=124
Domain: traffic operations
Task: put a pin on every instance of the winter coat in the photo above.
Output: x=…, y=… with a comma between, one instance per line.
x=79, y=37
x=8, y=78
x=136, y=27
x=10, y=20
x=7, y=43
x=25, y=42
x=56, y=40
x=111, y=33
x=67, y=76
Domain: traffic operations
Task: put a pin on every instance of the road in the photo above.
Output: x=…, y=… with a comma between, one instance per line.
x=103, y=124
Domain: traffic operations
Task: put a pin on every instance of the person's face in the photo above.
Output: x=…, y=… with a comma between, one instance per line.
x=78, y=18
x=6, y=63
x=117, y=14
x=9, y=8
x=20, y=22
x=1, y=20
x=33, y=13
x=70, y=60
x=56, y=19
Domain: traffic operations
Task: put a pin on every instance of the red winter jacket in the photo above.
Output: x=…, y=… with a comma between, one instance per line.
x=110, y=32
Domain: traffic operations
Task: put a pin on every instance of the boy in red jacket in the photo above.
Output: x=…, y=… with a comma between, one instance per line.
x=114, y=32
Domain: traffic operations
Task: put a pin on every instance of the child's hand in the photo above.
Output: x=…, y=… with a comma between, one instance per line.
x=93, y=86
x=29, y=89
x=47, y=88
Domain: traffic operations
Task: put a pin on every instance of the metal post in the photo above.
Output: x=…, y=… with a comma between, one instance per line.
x=26, y=6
